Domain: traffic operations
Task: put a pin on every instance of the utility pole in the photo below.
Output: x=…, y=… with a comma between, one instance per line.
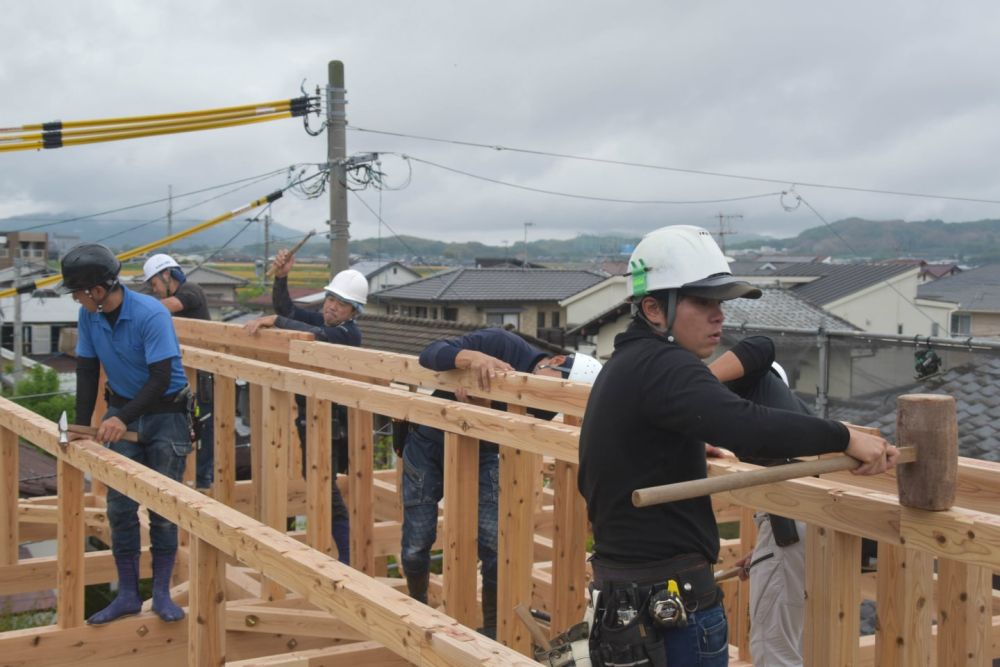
x=336, y=152
x=170, y=214
x=18, y=327
x=267, y=246
x=724, y=230
x=524, y=266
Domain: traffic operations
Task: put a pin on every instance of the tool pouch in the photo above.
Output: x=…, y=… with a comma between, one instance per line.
x=634, y=643
x=204, y=386
x=784, y=530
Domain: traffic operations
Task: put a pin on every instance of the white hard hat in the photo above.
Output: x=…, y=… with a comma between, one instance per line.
x=349, y=285
x=686, y=258
x=779, y=371
x=156, y=264
x=584, y=368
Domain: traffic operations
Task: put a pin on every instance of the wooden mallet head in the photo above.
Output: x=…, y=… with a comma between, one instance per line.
x=929, y=423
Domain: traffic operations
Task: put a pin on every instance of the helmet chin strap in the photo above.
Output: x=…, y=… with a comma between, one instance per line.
x=670, y=309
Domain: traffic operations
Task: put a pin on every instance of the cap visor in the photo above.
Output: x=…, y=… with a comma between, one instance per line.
x=722, y=288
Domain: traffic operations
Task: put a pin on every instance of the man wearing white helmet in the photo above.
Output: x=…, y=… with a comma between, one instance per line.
x=346, y=296
x=183, y=298
x=486, y=352
x=651, y=412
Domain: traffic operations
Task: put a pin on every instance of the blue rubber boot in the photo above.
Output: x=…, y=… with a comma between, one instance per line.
x=342, y=538
x=127, y=602
x=163, y=567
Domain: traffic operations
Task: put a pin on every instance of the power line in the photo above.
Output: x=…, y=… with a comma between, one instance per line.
x=681, y=170
x=381, y=221
x=589, y=197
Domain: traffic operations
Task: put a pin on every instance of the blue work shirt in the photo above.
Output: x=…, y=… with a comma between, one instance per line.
x=142, y=335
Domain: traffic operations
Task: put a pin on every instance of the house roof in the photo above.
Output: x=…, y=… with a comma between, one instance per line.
x=974, y=290
x=410, y=335
x=204, y=275
x=494, y=285
x=59, y=309
x=371, y=268
x=835, y=281
x=781, y=308
x=976, y=390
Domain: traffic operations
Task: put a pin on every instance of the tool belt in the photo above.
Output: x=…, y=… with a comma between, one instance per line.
x=625, y=631
x=180, y=401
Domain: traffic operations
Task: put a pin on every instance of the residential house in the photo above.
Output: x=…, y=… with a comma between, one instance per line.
x=43, y=315
x=410, y=335
x=219, y=287
x=530, y=300
x=972, y=299
x=382, y=275
x=27, y=246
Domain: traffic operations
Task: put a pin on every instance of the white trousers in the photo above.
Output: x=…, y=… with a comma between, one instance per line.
x=777, y=598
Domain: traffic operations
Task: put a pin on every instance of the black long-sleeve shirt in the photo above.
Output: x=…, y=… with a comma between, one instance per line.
x=650, y=413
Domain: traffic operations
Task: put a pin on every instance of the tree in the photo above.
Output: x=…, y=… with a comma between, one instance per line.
x=40, y=388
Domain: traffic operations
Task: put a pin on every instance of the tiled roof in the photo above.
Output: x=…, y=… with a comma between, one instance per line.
x=371, y=268
x=410, y=335
x=976, y=389
x=835, y=281
x=782, y=309
x=974, y=290
x=36, y=472
x=494, y=285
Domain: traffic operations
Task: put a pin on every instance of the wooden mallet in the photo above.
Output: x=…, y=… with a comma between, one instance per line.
x=927, y=433
x=291, y=253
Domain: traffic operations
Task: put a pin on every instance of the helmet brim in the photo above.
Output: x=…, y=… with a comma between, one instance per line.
x=721, y=288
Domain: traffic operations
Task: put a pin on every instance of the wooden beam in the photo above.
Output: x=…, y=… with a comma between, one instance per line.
x=461, y=526
x=70, y=577
x=207, y=606
x=359, y=654
x=524, y=432
x=360, y=424
x=319, y=476
x=265, y=344
x=903, y=625
x=38, y=574
x=833, y=581
x=409, y=629
x=256, y=450
x=518, y=473
x=569, y=549
x=269, y=619
x=9, y=539
x=964, y=614
x=274, y=470
x=224, y=439
x=524, y=389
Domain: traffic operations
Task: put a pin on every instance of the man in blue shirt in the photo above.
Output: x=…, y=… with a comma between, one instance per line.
x=486, y=352
x=132, y=336
x=346, y=296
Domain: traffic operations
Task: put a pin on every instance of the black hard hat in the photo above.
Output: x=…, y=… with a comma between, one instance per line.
x=89, y=265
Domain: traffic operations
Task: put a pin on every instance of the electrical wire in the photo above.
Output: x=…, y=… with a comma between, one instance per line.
x=383, y=222
x=590, y=197
x=681, y=170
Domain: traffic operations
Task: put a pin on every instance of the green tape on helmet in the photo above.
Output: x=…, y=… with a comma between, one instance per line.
x=638, y=271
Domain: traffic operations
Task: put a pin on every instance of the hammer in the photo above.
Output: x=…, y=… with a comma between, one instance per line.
x=291, y=253
x=66, y=428
x=926, y=429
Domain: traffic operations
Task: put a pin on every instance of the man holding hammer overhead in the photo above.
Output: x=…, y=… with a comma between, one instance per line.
x=346, y=296
x=652, y=410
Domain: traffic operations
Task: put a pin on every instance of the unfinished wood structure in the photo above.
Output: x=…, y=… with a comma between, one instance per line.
x=259, y=594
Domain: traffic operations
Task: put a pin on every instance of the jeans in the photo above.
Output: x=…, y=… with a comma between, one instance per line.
x=205, y=458
x=423, y=488
x=704, y=642
x=164, y=443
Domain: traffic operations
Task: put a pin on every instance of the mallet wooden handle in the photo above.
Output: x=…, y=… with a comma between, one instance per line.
x=536, y=631
x=131, y=436
x=291, y=253
x=657, y=495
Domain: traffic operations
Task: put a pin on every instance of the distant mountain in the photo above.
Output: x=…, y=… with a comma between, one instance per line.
x=855, y=238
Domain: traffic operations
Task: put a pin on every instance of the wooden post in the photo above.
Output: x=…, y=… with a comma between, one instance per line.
x=224, y=427
x=741, y=605
x=274, y=472
x=518, y=473
x=361, y=487
x=206, y=606
x=256, y=449
x=461, y=521
x=964, y=614
x=569, y=546
x=903, y=609
x=319, y=476
x=72, y=532
x=833, y=583
x=9, y=539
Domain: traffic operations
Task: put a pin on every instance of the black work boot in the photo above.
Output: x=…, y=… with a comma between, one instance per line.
x=417, y=584
x=489, y=628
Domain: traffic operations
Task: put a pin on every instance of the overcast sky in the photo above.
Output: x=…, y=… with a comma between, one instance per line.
x=898, y=96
